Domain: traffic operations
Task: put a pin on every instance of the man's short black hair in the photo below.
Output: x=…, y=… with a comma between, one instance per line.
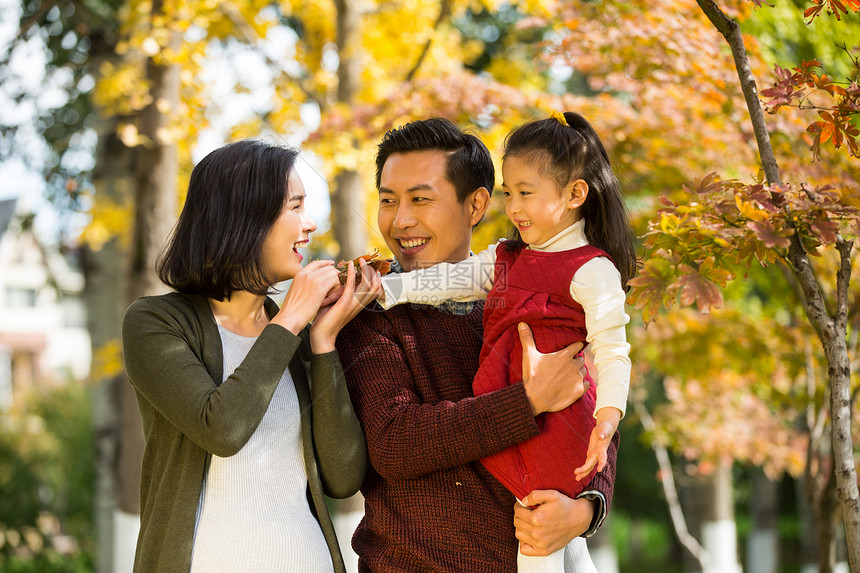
x=469, y=164
x=235, y=195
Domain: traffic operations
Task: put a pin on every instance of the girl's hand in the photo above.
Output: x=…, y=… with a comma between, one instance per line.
x=598, y=444
x=308, y=291
x=331, y=318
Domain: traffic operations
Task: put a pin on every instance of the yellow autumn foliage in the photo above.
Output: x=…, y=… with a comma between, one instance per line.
x=107, y=361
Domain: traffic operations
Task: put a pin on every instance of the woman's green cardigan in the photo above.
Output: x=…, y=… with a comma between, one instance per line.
x=173, y=357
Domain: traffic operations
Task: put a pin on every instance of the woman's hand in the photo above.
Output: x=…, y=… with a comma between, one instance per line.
x=340, y=310
x=308, y=291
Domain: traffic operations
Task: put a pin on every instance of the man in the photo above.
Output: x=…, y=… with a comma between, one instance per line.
x=429, y=503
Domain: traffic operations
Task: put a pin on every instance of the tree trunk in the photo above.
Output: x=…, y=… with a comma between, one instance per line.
x=105, y=277
x=831, y=331
x=349, y=223
x=719, y=533
x=709, y=510
x=821, y=496
x=807, y=544
x=155, y=208
x=763, y=541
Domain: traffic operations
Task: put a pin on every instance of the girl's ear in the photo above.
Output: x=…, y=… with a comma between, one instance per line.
x=576, y=192
x=478, y=203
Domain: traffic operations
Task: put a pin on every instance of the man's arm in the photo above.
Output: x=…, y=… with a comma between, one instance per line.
x=408, y=437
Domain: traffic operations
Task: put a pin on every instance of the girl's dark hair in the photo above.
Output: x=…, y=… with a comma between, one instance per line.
x=235, y=195
x=469, y=164
x=570, y=151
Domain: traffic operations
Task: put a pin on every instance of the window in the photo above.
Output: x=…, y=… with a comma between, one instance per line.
x=20, y=297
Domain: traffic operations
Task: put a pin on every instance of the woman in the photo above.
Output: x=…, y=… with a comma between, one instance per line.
x=246, y=416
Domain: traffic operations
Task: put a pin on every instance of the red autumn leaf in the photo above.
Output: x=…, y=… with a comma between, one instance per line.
x=652, y=288
x=695, y=288
x=780, y=95
x=852, y=145
x=767, y=234
x=825, y=229
x=811, y=13
x=647, y=295
x=709, y=183
x=836, y=6
x=782, y=73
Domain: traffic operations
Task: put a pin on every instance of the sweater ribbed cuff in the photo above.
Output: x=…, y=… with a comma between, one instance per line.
x=599, y=513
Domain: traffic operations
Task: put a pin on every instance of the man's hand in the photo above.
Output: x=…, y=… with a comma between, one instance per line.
x=553, y=522
x=549, y=379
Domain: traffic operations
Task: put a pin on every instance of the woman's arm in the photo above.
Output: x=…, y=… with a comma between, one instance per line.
x=338, y=439
x=171, y=377
x=467, y=280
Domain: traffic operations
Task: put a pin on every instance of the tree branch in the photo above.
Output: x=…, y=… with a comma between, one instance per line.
x=670, y=490
x=248, y=35
x=813, y=299
x=33, y=20
x=843, y=279
x=732, y=32
x=815, y=419
x=444, y=13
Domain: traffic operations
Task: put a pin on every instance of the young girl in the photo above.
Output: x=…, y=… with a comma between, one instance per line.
x=564, y=274
x=246, y=416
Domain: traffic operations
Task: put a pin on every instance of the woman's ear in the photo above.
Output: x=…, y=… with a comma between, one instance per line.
x=577, y=192
x=479, y=200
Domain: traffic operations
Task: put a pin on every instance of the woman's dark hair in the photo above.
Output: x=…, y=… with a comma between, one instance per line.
x=570, y=151
x=469, y=165
x=235, y=195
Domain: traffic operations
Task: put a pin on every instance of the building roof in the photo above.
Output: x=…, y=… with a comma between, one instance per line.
x=7, y=210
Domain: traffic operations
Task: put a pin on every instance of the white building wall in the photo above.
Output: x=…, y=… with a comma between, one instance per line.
x=38, y=316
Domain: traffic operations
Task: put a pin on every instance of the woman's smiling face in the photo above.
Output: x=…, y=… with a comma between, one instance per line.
x=280, y=254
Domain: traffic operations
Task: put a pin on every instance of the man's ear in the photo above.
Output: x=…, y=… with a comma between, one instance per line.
x=478, y=201
x=577, y=192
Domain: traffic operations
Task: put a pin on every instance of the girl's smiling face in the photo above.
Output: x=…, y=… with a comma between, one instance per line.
x=534, y=201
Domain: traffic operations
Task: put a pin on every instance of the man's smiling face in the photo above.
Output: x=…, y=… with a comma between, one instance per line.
x=420, y=217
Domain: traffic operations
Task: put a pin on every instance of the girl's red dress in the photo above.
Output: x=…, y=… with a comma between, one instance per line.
x=534, y=287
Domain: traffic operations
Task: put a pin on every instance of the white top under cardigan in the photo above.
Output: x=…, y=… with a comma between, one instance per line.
x=254, y=514
x=596, y=286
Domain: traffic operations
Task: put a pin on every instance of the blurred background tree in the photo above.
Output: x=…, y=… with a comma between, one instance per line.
x=738, y=397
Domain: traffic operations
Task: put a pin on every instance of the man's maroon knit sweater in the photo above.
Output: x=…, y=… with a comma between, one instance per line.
x=429, y=503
